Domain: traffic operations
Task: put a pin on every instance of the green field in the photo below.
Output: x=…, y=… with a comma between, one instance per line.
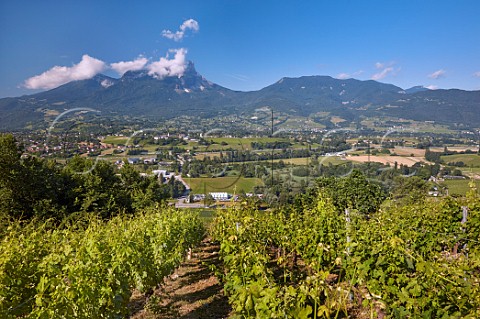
x=223, y=184
x=241, y=143
x=115, y=140
x=460, y=187
x=470, y=160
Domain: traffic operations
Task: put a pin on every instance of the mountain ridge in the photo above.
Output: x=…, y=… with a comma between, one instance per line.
x=138, y=94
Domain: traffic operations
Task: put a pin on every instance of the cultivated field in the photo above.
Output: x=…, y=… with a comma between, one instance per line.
x=405, y=160
x=407, y=151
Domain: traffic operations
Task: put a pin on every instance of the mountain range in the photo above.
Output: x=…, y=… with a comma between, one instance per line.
x=138, y=94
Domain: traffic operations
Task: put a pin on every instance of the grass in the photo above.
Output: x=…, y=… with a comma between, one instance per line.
x=115, y=140
x=294, y=161
x=223, y=184
x=459, y=187
x=470, y=160
x=202, y=156
x=241, y=143
x=475, y=170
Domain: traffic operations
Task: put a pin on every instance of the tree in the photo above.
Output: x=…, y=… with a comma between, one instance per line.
x=10, y=174
x=98, y=188
x=143, y=191
x=353, y=191
x=31, y=186
x=433, y=156
x=409, y=190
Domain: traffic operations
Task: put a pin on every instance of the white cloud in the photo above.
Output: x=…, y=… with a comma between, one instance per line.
x=437, y=74
x=58, y=75
x=177, y=36
x=382, y=74
x=124, y=66
x=106, y=83
x=432, y=87
x=166, y=67
x=386, y=68
x=344, y=76
x=477, y=74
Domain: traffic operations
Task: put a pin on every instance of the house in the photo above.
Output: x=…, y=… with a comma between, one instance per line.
x=149, y=161
x=453, y=177
x=220, y=196
x=166, y=174
x=196, y=198
x=133, y=160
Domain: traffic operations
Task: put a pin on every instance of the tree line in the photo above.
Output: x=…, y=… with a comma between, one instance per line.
x=37, y=187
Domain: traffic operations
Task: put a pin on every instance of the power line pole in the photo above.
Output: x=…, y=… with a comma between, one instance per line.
x=271, y=164
x=272, y=124
x=368, y=163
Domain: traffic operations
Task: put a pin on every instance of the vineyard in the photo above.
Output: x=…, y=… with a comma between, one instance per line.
x=421, y=260
x=307, y=260
x=87, y=267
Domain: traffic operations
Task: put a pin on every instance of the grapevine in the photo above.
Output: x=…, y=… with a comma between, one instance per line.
x=89, y=271
x=315, y=263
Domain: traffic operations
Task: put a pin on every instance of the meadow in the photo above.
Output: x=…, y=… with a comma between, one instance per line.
x=460, y=186
x=230, y=184
x=470, y=160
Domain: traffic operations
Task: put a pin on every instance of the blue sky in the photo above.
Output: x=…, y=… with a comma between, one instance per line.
x=242, y=45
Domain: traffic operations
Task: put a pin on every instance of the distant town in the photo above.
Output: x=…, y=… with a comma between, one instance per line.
x=227, y=159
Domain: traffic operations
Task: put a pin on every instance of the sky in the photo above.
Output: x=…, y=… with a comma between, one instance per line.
x=240, y=44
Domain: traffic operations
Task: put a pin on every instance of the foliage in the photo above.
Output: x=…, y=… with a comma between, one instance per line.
x=409, y=189
x=354, y=192
x=87, y=268
x=33, y=187
x=433, y=156
x=312, y=262
x=30, y=186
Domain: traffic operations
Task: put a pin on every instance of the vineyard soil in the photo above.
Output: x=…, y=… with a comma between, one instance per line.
x=191, y=292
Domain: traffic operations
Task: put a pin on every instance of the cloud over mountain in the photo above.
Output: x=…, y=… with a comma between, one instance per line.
x=87, y=68
x=437, y=74
x=189, y=24
x=382, y=74
x=166, y=67
x=385, y=70
x=344, y=76
x=124, y=66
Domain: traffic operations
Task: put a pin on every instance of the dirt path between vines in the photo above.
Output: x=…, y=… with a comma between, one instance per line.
x=191, y=292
